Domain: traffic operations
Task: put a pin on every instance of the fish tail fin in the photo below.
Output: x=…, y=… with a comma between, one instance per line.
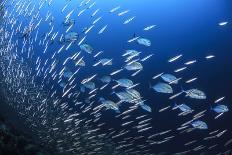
x=182, y=89
x=113, y=92
x=175, y=106
x=134, y=35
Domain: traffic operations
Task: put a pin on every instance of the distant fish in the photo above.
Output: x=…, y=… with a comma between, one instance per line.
x=124, y=82
x=114, y=9
x=195, y=93
x=133, y=66
x=82, y=11
x=183, y=107
x=108, y=104
x=209, y=56
x=199, y=125
x=87, y=48
x=147, y=57
x=64, y=8
x=80, y=42
x=97, y=54
x=158, y=75
x=165, y=108
x=191, y=80
x=94, y=3
x=133, y=39
x=95, y=12
x=175, y=95
x=122, y=13
x=190, y=62
x=180, y=69
x=87, y=30
x=106, y=61
x=162, y=88
x=222, y=23
x=175, y=58
x=102, y=29
x=144, y=41
x=219, y=115
x=220, y=108
x=128, y=20
x=219, y=99
x=96, y=20
x=149, y=27
x=116, y=72
x=169, y=78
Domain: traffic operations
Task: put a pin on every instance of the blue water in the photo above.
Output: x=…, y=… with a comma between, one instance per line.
x=183, y=27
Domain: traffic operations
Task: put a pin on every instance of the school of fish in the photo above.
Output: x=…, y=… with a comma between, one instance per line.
x=77, y=99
